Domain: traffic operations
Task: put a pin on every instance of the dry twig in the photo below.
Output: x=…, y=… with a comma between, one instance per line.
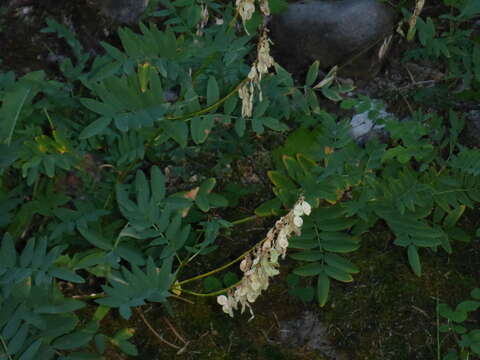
x=154, y=332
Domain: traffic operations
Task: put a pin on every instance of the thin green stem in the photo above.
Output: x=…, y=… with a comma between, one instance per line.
x=244, y=220
x=215, y=293
x=209, y=108
x=89, y=297
x=223, y=267
x=438, y=326
x=5, y=348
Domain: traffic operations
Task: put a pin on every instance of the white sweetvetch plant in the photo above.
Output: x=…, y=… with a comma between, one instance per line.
x=262, y=263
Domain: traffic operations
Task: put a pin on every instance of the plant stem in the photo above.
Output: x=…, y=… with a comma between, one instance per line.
x=188, y=116
x=157, y=335
x=215, y=293
x=5, y=347
x=89, y=297
x=438, y=326
x=223, y=267
x=244, y=220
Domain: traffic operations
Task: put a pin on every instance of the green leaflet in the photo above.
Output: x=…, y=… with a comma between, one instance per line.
x=312, y=255
x=341, y=263
x=323, y=288
x=73, y=341
x=312, y=73
x=200, y=128
x=21, y=93
x=338, y=274
x=414, y=260
x=213, y=92
x=309, y=269
x=95, y=128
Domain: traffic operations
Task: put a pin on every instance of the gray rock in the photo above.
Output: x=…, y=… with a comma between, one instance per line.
x=122, y=11
x=333, y=32
x=473, y=127
x=365, y=127
x=309, y=332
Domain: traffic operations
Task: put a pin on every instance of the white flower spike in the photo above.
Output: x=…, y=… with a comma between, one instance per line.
x=262, y=263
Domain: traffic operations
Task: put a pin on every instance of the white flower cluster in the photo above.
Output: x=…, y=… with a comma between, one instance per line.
x=246, y=8
x=261, y=65
x=262, y=263
x=203, y=21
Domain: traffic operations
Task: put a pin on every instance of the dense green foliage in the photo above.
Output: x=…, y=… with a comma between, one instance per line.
x=83, y=198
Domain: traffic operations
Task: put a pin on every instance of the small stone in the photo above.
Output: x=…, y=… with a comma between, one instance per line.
x=333, y=32
x=363, y=127
x=122, y=11
x=473, y=127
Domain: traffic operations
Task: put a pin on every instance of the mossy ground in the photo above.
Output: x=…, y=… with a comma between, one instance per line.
x=386, y=313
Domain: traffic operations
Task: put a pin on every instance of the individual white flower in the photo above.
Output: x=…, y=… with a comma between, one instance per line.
x=222, y=300
x=282, y=242
x=245, y=93
x=298, y=221
x=268, y=268
x=298, y=209
x=204, y=20
x=245, y=264
x=264, y=7
x=274, y=254
x=307, y=209
x=245, y=8
x=267, y=245
x=226, y=304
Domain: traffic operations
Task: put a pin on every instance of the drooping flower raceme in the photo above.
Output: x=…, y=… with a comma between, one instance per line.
x=260, y=67
x=264, y=61
x=246, y=8
x=262, y=263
